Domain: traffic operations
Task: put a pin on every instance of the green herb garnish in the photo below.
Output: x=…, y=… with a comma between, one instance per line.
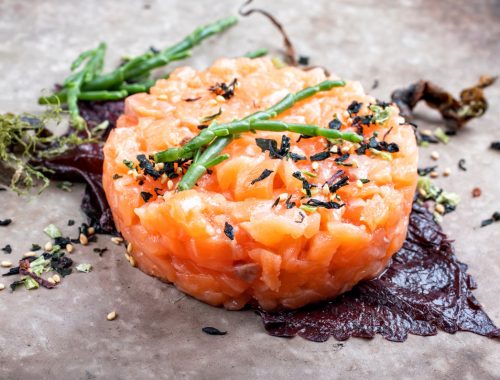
x=52, y=231
x=85, y=268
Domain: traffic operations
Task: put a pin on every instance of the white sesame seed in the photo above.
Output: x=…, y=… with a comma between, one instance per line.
x=359, y=183
x=116, y=240
x=283, y=196
x=160, y=166
x=162, y=97
x=447, y=172
x=83, y=239
x=6, y=264
x=69, y=248
x=129, y=248
x=434, y=174
x=132, y=262
x=179, y=170
x=334, y=149
x=435, y=155
x=51, y=280
x=426, y=132
x=30, y=254
x=48, y=246
x=164, y=178
x=91, y=230
x=439, y=208
x=315, y=165
x=422, y=192
x=111, y=316
x=345, y=149
x=213, y=102
x=170, y=184
x=2, y=286
x=56, y=278
x=220, y=99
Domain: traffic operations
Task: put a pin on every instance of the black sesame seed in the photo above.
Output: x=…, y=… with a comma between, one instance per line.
x=229, y=231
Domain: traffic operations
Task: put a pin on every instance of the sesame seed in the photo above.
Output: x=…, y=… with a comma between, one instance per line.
x=69, y=248
x=345, y=149
x=159, y=166
x=83, y=239
x=447, y=172
x=91, y=230
x=111, y=316
x=56, y=278
x=170, y=184
x=132, y=262
x=30, y=254
x=6, y=264
x=334, y=149
x=2, y=286
x=426, y=132
x=422, y=192
x=213, y=102
x=435, y=155
x=179, y=170
x=164, y=178
x=315, y=165
x=51, y=280
x=48, y=246
x=283, y=196
x=434, y=174
x=359, y=183
x=162, y=97
x=116, y=240
x=439, y=208
x=129, y=248
x=220, y=99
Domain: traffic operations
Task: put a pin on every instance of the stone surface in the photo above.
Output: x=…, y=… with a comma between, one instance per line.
x=64, y=333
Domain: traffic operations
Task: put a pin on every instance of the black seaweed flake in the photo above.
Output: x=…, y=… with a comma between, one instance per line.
x=35, y=247
x=362, y=149
x=225, y=90
x=461, y=164
x=7, y=249
x=382, y=145
x=61, y=264
x=328, y=205
x=320, y=156
x=494, y=218
x=266, y=173
x=335, y=124
x=288, y=203
x=275, y=203
x=354, y=107
x=305, y=184
x=71, y=222
x=213, y=331
x=13, y=286
x=342, y=158
x=339, y=173
x=192, y=99
x=147, y=166
x=208, y=118
x=272, y=146
x=100, y=251
x=364, y=180
x=129, y=164
x=296, y=157
x=202, y=126
x=229, y=231
x=146, y=196
x=301, y=217
x=303, y=60
x=343, y=181
x=427, y=170
x=5, y=222
x=117, y=176
x=495, y=145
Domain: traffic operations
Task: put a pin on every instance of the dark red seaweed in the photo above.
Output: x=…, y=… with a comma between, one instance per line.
x=424, y=289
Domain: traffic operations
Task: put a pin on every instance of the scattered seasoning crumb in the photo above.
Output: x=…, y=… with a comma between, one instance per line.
x=146, y=196
x=494, y=218
x=56, y=278
x=435, y=155
x=276, y=201
x=52, y=231
x=116, y=240
x=266, y=173
x=303, y=60
x=6, y=264
x=129, y=248
x=301, y=218
x=5, y=222
x=359, y=183
x=433, y=174
x=71, y=222
x=7, y=249
x=208, y=118
x=111, y=316
x=439, y=208
x=229, y=231
x=213, y=331
x=35, y=247
x=375, y=84
x=476, y=192
x=315, y=166
x=100, y=251
x=461, y=164
x=2, y=287
x=69, y=248
x=495, y=145
x=48, y=246
x=29, y=254
x=84, y=240
x=117, y=176
x=226, y=91
x=84, y=268
x=91, y=230
x=192, y=99
x=131, y=260
x=447, y=172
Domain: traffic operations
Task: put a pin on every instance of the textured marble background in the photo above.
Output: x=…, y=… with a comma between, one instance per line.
x=63, y=334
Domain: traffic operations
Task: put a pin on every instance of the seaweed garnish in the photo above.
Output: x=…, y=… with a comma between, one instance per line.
x=335, y=123
x=301, y=217
x=426, y=171
x=289, y=49
x=320, y=156
x=146, y=196
x=7, y=249
x=343, y=181
x=455, y=112
x=213, y=331
x=494, y=218
x=229, y=230
x=224, y=90
x=328, y=205
x=266, y=173
x=303, y=60
x=288, y=203
x=271, y=146
x=461, y=164
x=71, y=222
x=276, y=201
x=147, y=166
x=192, y=99
x=305, y=184
x=354, y=107
x=208, y=118
x=295, y=157
x=5, y=222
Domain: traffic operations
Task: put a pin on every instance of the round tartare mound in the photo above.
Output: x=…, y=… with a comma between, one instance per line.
x=233, y=238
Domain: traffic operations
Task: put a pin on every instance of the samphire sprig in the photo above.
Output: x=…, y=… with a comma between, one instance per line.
x=217, y=137
x=130, y=77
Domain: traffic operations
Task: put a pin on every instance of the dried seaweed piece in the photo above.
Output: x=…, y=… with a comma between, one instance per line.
x=213, y=331
x=455, y=112
x=289, y=49
x=424, y=289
